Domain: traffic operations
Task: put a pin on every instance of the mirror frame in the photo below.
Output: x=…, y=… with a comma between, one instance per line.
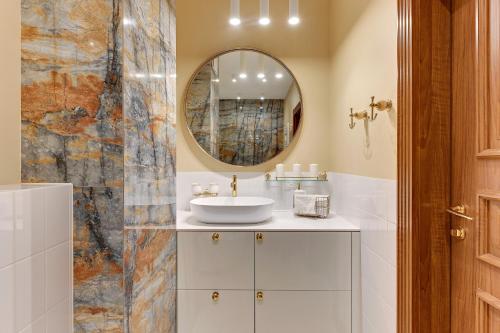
x=294, y=140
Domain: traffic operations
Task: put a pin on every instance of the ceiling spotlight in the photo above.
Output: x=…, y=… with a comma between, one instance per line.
x=293, y=17
x=243, y=76
x=261, y=75
x=278, y=75
x=234, y=78
x=264, y=80
x=261, y=98
x=234, y=19
x=264, y=12
x=238, y=98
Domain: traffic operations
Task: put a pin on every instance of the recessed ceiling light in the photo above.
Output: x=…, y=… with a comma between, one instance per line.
x=234, y=80
x=293, y=17
x=264, y=12
x=264, y=80
x=238, y=98
x=264, y=21
x=235, y=13
x=278, y=75
x=243, y=75
x=261, y=98
x=261, y=75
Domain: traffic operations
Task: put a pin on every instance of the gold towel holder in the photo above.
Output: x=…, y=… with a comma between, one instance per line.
x=382, y=105
x=363, y=115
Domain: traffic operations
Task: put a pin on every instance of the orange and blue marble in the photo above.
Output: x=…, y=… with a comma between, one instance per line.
x=150, y=280
x=110, y=132
x=72, y=131
x=149, y=112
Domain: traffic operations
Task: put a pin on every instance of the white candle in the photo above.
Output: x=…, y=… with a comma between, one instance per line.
x=313, y=170
x=213, y=188
x=280, y=170
x=296, y=170
x=196, y=188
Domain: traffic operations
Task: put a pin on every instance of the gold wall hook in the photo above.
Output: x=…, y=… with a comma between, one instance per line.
x=383, y=105
x=352, y=123
x=363, y=115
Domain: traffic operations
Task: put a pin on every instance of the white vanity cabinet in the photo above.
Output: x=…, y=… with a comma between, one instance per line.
x=266, y=281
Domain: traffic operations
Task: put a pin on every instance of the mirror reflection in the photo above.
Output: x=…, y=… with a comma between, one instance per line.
x=243, y=107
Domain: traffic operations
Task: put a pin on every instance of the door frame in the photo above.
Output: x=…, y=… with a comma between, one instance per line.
x=424, y=150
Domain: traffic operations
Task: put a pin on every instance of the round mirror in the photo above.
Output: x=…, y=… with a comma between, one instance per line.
x=243, y=107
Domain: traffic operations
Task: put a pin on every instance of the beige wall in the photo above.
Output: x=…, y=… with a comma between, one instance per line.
x=363, y=63
x=343, y=52
x=10, y=92
x=203, y=30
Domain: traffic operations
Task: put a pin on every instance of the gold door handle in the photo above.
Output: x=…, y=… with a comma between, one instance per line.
x=215, y=296
x=459, y=211
x=259, y=236
x=259, y=296
x=215, y=236
x=458, y=233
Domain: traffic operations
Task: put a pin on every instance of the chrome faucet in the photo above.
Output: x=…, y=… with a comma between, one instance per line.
x=234, y=186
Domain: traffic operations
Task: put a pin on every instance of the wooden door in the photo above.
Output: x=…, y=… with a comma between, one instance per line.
x=475, y=183
x=488, y=167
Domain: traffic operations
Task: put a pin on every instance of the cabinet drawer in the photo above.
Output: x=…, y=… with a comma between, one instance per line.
x=303, y=311
x=303, y=261
x=224, y=263
x=233, y=312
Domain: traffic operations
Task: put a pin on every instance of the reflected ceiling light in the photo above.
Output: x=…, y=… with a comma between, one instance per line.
x=217, y=80
x=261, y=75
x=264, y=80
x=261, y=98
x=238, y=98
x=234, y=78
x=264, y=12
x=128, y=21
x=243, y=66
x=234, y=19
x=278, y=75
x=293, y=16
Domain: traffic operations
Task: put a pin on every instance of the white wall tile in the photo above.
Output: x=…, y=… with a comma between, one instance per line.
x=29, y=223
x=6, y=228
x=30, y=290
x=371, y=204
x=58, y=318
x=37, y=326
x=58, y=204
x=57, y=274
x=35, y=277
x=7, y=301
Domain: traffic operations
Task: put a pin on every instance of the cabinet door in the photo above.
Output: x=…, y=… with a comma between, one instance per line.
x=303, y=261
x=222, y=260
x=303, y=311
x=232, y=311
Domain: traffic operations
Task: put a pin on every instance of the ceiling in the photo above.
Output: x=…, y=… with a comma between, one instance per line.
x=252, y=87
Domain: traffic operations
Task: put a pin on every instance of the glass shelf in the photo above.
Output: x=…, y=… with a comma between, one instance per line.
x=321, y=178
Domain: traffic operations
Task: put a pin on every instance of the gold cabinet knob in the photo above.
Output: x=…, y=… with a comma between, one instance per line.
x=215, y=236
x=215, y=296
x=259, y=236
x=259, y=296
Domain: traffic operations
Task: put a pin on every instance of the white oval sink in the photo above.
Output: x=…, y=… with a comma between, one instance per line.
x=232, y=210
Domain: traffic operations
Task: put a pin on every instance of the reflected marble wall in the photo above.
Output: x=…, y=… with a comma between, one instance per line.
x=108, y=131
x=251, y=131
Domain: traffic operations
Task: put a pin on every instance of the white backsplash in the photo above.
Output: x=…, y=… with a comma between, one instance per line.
x=369, y=203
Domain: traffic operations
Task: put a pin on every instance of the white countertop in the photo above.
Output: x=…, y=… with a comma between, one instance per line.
x=281, y=221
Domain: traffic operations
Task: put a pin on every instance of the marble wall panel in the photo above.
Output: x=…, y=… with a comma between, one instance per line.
x=71, y=92
x=149, y=112
x=98, y=259
x=72, y=131
x=150, y=276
